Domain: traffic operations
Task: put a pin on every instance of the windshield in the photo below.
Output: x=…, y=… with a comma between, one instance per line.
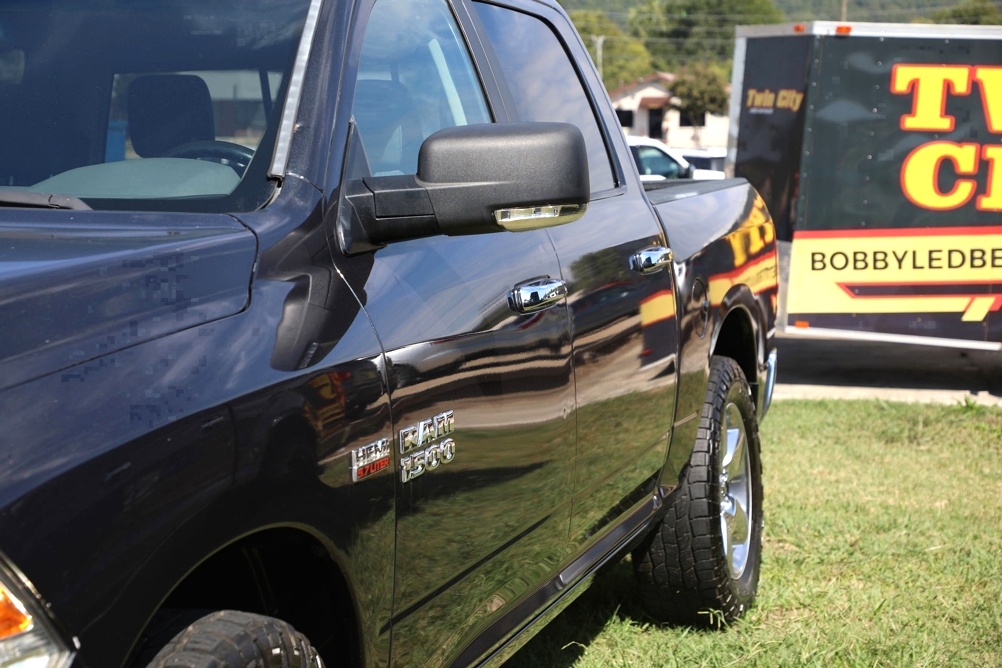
x=144, y=104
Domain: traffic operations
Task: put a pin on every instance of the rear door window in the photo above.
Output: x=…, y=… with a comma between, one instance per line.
x=543, y=81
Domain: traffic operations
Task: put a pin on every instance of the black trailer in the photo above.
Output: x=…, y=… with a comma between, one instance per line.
x=878, y=149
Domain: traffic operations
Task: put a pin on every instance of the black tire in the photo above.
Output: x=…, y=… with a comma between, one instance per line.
x=700, y=566
x=233, y=639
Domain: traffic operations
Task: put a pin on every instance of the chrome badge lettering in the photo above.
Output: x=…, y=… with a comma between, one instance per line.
x=430, y=436
x=426, y=432
x=370, y=459
x=428, y=459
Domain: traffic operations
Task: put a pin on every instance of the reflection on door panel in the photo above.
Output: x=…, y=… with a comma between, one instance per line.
x=624, y=323
x=482, y=396
x=506, y=380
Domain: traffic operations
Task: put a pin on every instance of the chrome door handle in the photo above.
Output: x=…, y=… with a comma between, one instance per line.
x=651, y=260
x=536, y=295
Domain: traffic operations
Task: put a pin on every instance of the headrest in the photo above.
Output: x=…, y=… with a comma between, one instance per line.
x=167, y=110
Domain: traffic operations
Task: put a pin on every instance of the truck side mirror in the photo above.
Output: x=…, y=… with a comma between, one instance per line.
x=472, y=179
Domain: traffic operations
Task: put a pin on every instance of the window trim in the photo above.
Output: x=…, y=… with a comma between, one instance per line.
x=294, y=94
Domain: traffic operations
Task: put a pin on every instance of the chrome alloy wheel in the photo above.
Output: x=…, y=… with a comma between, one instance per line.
x=735, y=490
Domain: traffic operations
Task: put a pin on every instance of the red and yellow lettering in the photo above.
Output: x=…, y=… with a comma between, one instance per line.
x=990, y=79
x=929, y=85
x=920, y=175
x=992, y=199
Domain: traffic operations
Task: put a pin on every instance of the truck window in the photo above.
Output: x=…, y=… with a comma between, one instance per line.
x=415, y=77
x=240, y=101
x=159, y=105
x=543, y=81
x=653, y=162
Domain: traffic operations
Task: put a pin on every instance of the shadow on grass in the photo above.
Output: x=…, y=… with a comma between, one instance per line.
x=611, y=597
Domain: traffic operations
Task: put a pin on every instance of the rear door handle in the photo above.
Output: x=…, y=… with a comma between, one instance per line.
x=651, y=260
x=536, y=295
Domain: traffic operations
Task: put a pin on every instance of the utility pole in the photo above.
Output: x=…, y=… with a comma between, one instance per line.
x=599, y=40
x=845, y=10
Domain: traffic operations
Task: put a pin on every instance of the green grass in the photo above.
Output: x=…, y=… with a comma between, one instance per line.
x=883, y=547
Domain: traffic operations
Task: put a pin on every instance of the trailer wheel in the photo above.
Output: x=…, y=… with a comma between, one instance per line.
x=233, y=639
x=700, y=565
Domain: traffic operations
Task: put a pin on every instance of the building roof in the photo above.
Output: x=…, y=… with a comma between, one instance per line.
x=665, y=79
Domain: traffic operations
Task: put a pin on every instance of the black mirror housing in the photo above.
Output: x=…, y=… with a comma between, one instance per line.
x=472, y=172
x=473, y=179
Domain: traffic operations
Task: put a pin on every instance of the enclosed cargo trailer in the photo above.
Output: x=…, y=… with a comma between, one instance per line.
x=878, y=150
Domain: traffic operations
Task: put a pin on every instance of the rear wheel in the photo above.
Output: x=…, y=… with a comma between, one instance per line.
x=701, y=565
x=232, y=639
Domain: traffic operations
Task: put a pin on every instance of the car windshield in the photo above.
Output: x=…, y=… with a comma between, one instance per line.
x=706, y=162
x=143, y=104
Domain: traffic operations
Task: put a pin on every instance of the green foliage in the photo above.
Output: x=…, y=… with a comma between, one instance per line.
x=598, y=269
x=676, y=33
x=701, y=89
x=895, y=11
x=612, y=8
x=971, y=12
x=623, y=59
x=903, y=11
x=681, y=32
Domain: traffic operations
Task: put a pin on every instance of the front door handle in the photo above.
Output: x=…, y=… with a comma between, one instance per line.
x=651, y=260
x=536, y=295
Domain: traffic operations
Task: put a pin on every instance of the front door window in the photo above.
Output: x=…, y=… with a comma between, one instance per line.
x=415, y=77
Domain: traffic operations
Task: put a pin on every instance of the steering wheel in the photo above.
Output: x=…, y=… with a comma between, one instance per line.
x=226, y=153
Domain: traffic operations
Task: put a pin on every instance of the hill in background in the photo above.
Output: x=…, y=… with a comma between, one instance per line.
x=804, y=10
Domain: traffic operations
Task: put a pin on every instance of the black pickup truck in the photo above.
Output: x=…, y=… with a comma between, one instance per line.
x=344, y=333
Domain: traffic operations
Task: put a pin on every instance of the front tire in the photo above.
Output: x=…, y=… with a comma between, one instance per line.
x=233, y=639
x=700, y=566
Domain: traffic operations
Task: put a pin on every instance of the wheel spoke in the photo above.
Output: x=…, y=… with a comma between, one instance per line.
x=733, y=459
x=735, y=491
x=739, y=511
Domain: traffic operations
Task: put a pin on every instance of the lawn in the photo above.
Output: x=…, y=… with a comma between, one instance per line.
x=883, y=547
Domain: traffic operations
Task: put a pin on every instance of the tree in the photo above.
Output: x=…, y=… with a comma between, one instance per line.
x=885, y=11
x=970, y=12
x=700, y=89
x=621, y=59
x=680, y=32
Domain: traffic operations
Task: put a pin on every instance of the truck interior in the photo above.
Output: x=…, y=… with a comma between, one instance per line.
x=165, y=101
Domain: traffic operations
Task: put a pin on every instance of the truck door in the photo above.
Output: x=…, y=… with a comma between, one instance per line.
x=481, y=393
x=622, y=316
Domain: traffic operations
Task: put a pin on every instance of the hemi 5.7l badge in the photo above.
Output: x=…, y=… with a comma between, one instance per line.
x=370, y=459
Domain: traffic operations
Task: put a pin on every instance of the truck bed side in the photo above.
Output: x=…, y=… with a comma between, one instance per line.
x=724, y=246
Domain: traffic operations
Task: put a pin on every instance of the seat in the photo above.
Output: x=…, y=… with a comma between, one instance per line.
x=168, y=110
x=389, y=126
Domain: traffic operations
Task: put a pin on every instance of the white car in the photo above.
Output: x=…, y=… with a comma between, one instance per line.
x=656, y=162
x=712, y=159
